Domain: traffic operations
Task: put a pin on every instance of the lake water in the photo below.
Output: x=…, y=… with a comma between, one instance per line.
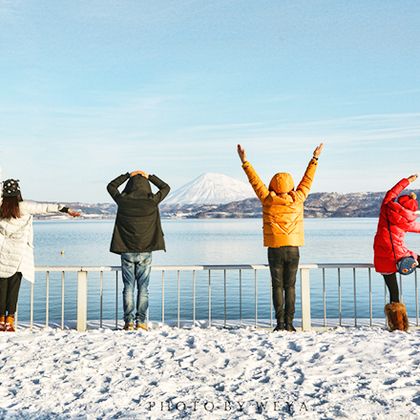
x=201, y=242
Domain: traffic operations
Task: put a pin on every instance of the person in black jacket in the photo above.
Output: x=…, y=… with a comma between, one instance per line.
x=137, y=233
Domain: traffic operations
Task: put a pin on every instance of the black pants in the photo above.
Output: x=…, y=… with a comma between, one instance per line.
x=9, y=292
x=284, y=262
x=392, y=284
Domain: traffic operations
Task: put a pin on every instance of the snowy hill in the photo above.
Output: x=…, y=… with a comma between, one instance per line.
x=317, y=205
x=210, y=188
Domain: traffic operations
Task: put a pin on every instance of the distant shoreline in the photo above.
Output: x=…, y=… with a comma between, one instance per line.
x=317, y=206
x=112, y=218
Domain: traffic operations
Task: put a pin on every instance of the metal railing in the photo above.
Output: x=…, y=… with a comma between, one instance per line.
x=321, y=274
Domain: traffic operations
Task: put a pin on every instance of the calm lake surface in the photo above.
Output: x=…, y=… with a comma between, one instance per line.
x=200, y=242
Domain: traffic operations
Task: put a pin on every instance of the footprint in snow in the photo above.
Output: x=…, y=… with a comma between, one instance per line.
x=220, y=348
x=294, y=346
x=390, y=381
x=191, y=342
x=219, y=387
x=301, y=377
x=314, y=358
x=261, y=354
x=267, y=343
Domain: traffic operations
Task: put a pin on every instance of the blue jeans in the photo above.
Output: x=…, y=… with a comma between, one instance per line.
x=136, y=268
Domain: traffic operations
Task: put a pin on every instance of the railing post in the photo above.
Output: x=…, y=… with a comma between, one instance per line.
x=240, y=297
x=209, y=297
x=62, y=299
x=81, y=301
x=305, y=289
x=47, y=299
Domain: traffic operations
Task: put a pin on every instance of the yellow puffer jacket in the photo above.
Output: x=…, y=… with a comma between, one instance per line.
x=282, y=205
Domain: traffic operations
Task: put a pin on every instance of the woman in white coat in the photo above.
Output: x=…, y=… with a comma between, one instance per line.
x=16, y=246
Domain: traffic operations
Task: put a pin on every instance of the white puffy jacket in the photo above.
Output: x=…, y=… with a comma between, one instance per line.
x=16, y=240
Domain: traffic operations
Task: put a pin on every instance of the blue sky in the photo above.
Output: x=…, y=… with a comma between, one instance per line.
x=92, y=89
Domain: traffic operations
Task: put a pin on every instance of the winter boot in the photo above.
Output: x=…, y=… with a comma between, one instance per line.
x=279, y=327
x=3, y=323
x=289, y=327
x=129, y=326
x=10, y=323
x=396, y=316
x=142, y=326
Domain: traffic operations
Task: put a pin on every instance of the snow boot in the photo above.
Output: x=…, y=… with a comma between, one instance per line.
x=10, y=323
x=396, y=316
x=129, y=326
x=279, y=327
x=289, y=327
x=142, y=326
x=3, y=323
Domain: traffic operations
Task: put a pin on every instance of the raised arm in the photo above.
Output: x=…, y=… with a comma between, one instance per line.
x=305, y=184
x=395, y=191
x=259, y=187
x=415, y=228
x=32, y=207
x=164, y=188
x=112, y=187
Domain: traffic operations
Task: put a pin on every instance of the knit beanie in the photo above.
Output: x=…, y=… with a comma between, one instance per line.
x=11, y=188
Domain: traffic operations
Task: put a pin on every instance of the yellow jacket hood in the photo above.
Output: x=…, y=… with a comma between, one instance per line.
x=281, y=183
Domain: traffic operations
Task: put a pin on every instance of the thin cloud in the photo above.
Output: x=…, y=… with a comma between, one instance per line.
x=359, y=128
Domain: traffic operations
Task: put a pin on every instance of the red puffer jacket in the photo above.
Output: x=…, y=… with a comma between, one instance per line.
x=401, y=220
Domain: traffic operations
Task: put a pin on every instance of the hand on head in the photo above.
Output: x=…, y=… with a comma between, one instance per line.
x=412, y=178
x=241, y=153
x=318, y=150
x=139, y=172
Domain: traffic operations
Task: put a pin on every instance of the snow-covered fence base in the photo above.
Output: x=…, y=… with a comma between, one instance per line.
x=263, y=325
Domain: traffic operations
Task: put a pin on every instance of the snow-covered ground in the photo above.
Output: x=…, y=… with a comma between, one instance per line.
x=210, y=373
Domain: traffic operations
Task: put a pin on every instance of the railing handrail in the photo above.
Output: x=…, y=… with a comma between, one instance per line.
x=224, y=270
x=205, y=267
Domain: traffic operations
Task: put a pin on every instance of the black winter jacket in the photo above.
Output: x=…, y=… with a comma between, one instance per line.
x=137, y=226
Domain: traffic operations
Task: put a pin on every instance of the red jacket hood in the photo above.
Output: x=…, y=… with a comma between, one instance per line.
x=399, y=215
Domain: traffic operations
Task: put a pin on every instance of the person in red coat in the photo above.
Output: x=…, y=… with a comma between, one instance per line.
x=397, y=217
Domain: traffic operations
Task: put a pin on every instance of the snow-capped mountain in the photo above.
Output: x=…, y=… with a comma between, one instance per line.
x=210, y=188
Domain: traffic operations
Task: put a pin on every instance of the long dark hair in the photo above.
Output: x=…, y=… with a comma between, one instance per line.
x=10, y=208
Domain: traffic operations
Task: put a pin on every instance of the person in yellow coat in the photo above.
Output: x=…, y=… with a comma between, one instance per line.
x=283, y=231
